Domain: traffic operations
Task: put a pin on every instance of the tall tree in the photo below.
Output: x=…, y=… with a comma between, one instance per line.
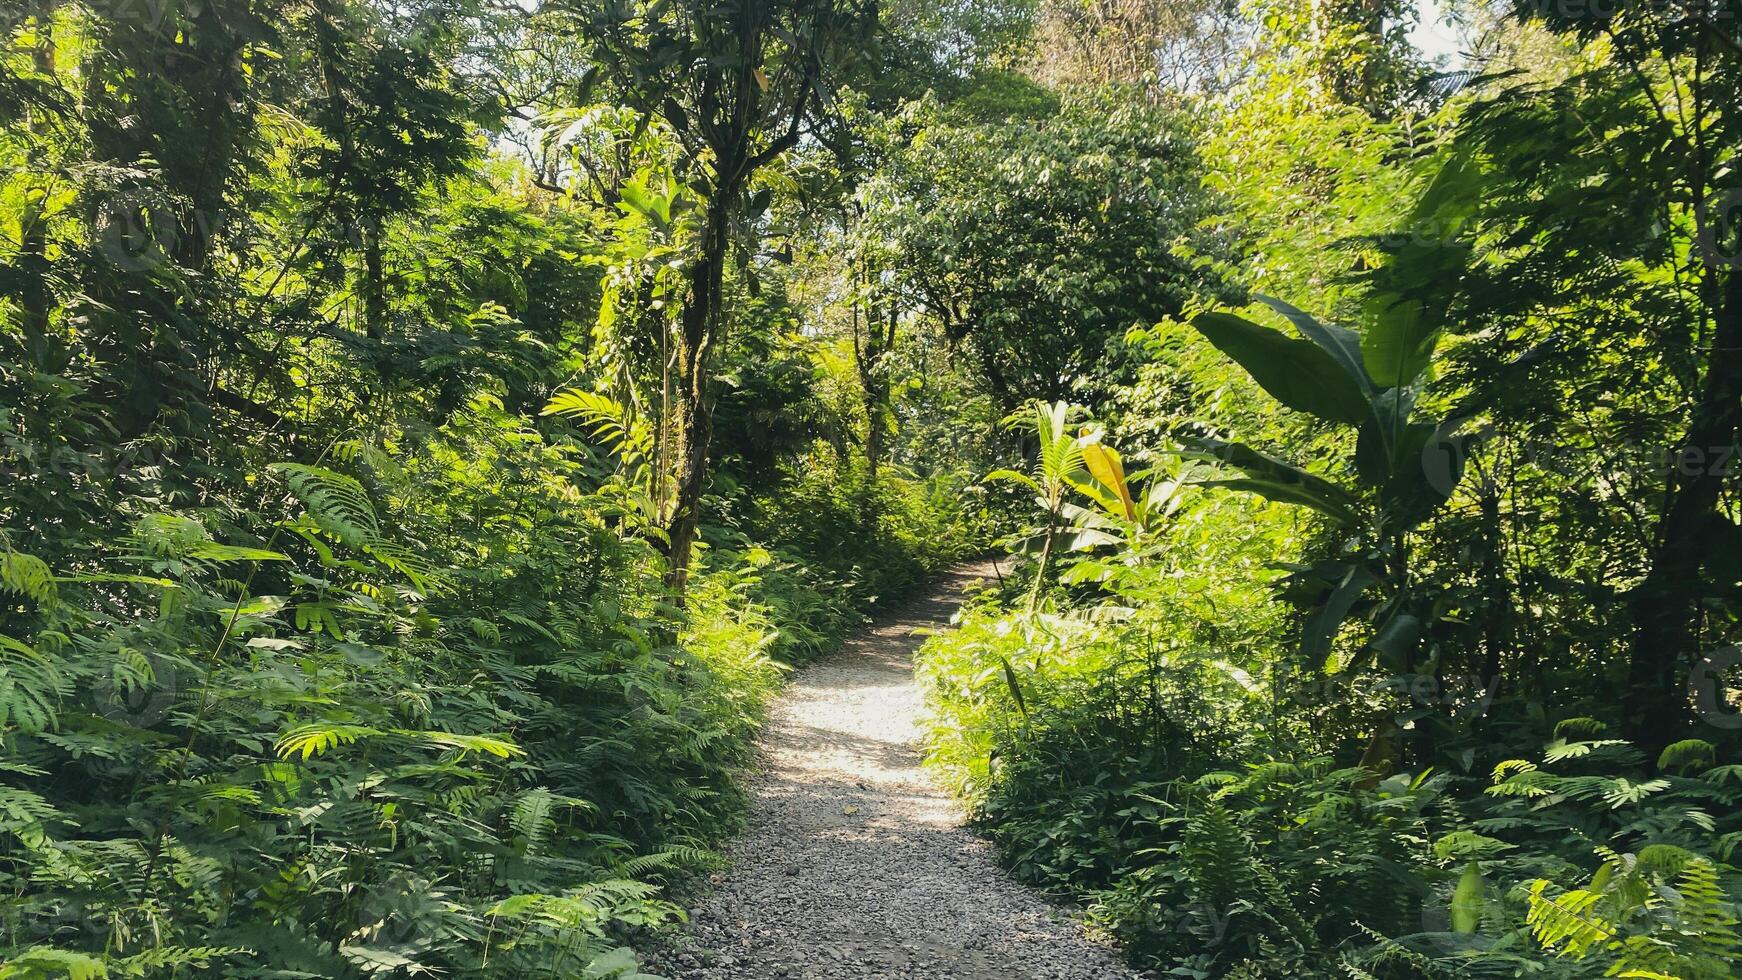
x=1608, y=217
x=1038, y=243
x=1190, y=46
x=394, y=124
x=1363, y=51
x=740, y=83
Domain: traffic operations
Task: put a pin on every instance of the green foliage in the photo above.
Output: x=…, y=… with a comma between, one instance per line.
x=1038, y=243
x=334, y=632
x=1105, y=781
x=431, y=430
x=1250, y=738
x=351, y=745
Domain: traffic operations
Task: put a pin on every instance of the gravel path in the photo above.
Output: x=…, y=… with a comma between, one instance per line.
x=856, y=867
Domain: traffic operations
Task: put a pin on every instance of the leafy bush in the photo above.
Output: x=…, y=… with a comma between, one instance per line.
x=873, y=538
x=1133, y=737
x=423, y=720
x=1211, y=850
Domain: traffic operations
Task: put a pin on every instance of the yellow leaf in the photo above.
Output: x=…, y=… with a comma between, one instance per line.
x=1104, y=465
x=761, y=79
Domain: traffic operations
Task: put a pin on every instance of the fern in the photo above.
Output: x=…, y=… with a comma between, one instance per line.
x=605, y=420
x=336, y=502
x=1707, y=915
x=669, y=857
x=1387, y=952
x=31, y=687
x=1623, y=792
x=171, y=957
x=1215, y=856
x=315, y=739
x=1687, y=754
x=21, y=809
x=1568, y=923
x=48, y=963
x=25, y=575
x=1579, y=726
x=168, y=535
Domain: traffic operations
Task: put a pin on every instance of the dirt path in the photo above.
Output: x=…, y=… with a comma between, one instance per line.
x=856, y=867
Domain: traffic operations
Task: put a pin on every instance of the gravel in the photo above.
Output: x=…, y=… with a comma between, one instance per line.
x=856, y=867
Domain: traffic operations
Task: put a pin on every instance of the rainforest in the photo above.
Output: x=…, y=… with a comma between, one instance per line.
x=870, y=489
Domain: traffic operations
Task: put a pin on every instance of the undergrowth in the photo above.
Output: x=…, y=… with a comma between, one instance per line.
x=395, y=716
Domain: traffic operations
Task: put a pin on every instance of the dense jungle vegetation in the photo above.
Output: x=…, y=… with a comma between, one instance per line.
x=432, y=429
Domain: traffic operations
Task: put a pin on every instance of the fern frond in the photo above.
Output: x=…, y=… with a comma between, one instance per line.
x=170, y=957
x=1687, y=754
x=44, y=962
x=314, y=739
x=26, y=575
x=1568, y=922
x=31, y=686
x=336, y=502
x=606, y=420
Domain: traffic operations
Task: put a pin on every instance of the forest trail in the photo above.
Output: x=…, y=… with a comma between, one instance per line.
x=857, y=867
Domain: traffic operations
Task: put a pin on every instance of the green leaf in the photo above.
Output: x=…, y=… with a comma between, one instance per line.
x=1283, y=493
x=1322, y=625
x=26, y=575
x=1468, y=900
x=1013, y=684
x=46, y=961
x=1274, y=478
x=1014, y=477
x=314, y=739
x=1342, y=344
x=1451, y=198
x=1687, y=754
x=1294, y=372
x=212, y=551
x=1398, y=337
x=1397, y=639
x=1382, y=446
x=1468, y=844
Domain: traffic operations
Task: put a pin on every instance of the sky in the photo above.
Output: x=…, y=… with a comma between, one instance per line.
x=1432, y=35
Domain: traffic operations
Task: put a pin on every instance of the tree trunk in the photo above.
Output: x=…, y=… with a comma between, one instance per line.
x=1665, y=606
x=212, y=74
x=873, y=438
x=879, y=339
x=698, y=328
x=374, y=287
x=35, y=297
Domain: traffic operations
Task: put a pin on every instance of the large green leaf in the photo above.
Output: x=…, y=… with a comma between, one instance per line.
x=1452, y=196
x=1396, y=639
x=1467, y=900
x=1296, y=373
x=1274, y=478
x=1398, y=336
x=1401, y=320
x=1321, y=626
x=1388, y=442
x=1285, y=493
x=1430, y=466
x=1342, y=344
